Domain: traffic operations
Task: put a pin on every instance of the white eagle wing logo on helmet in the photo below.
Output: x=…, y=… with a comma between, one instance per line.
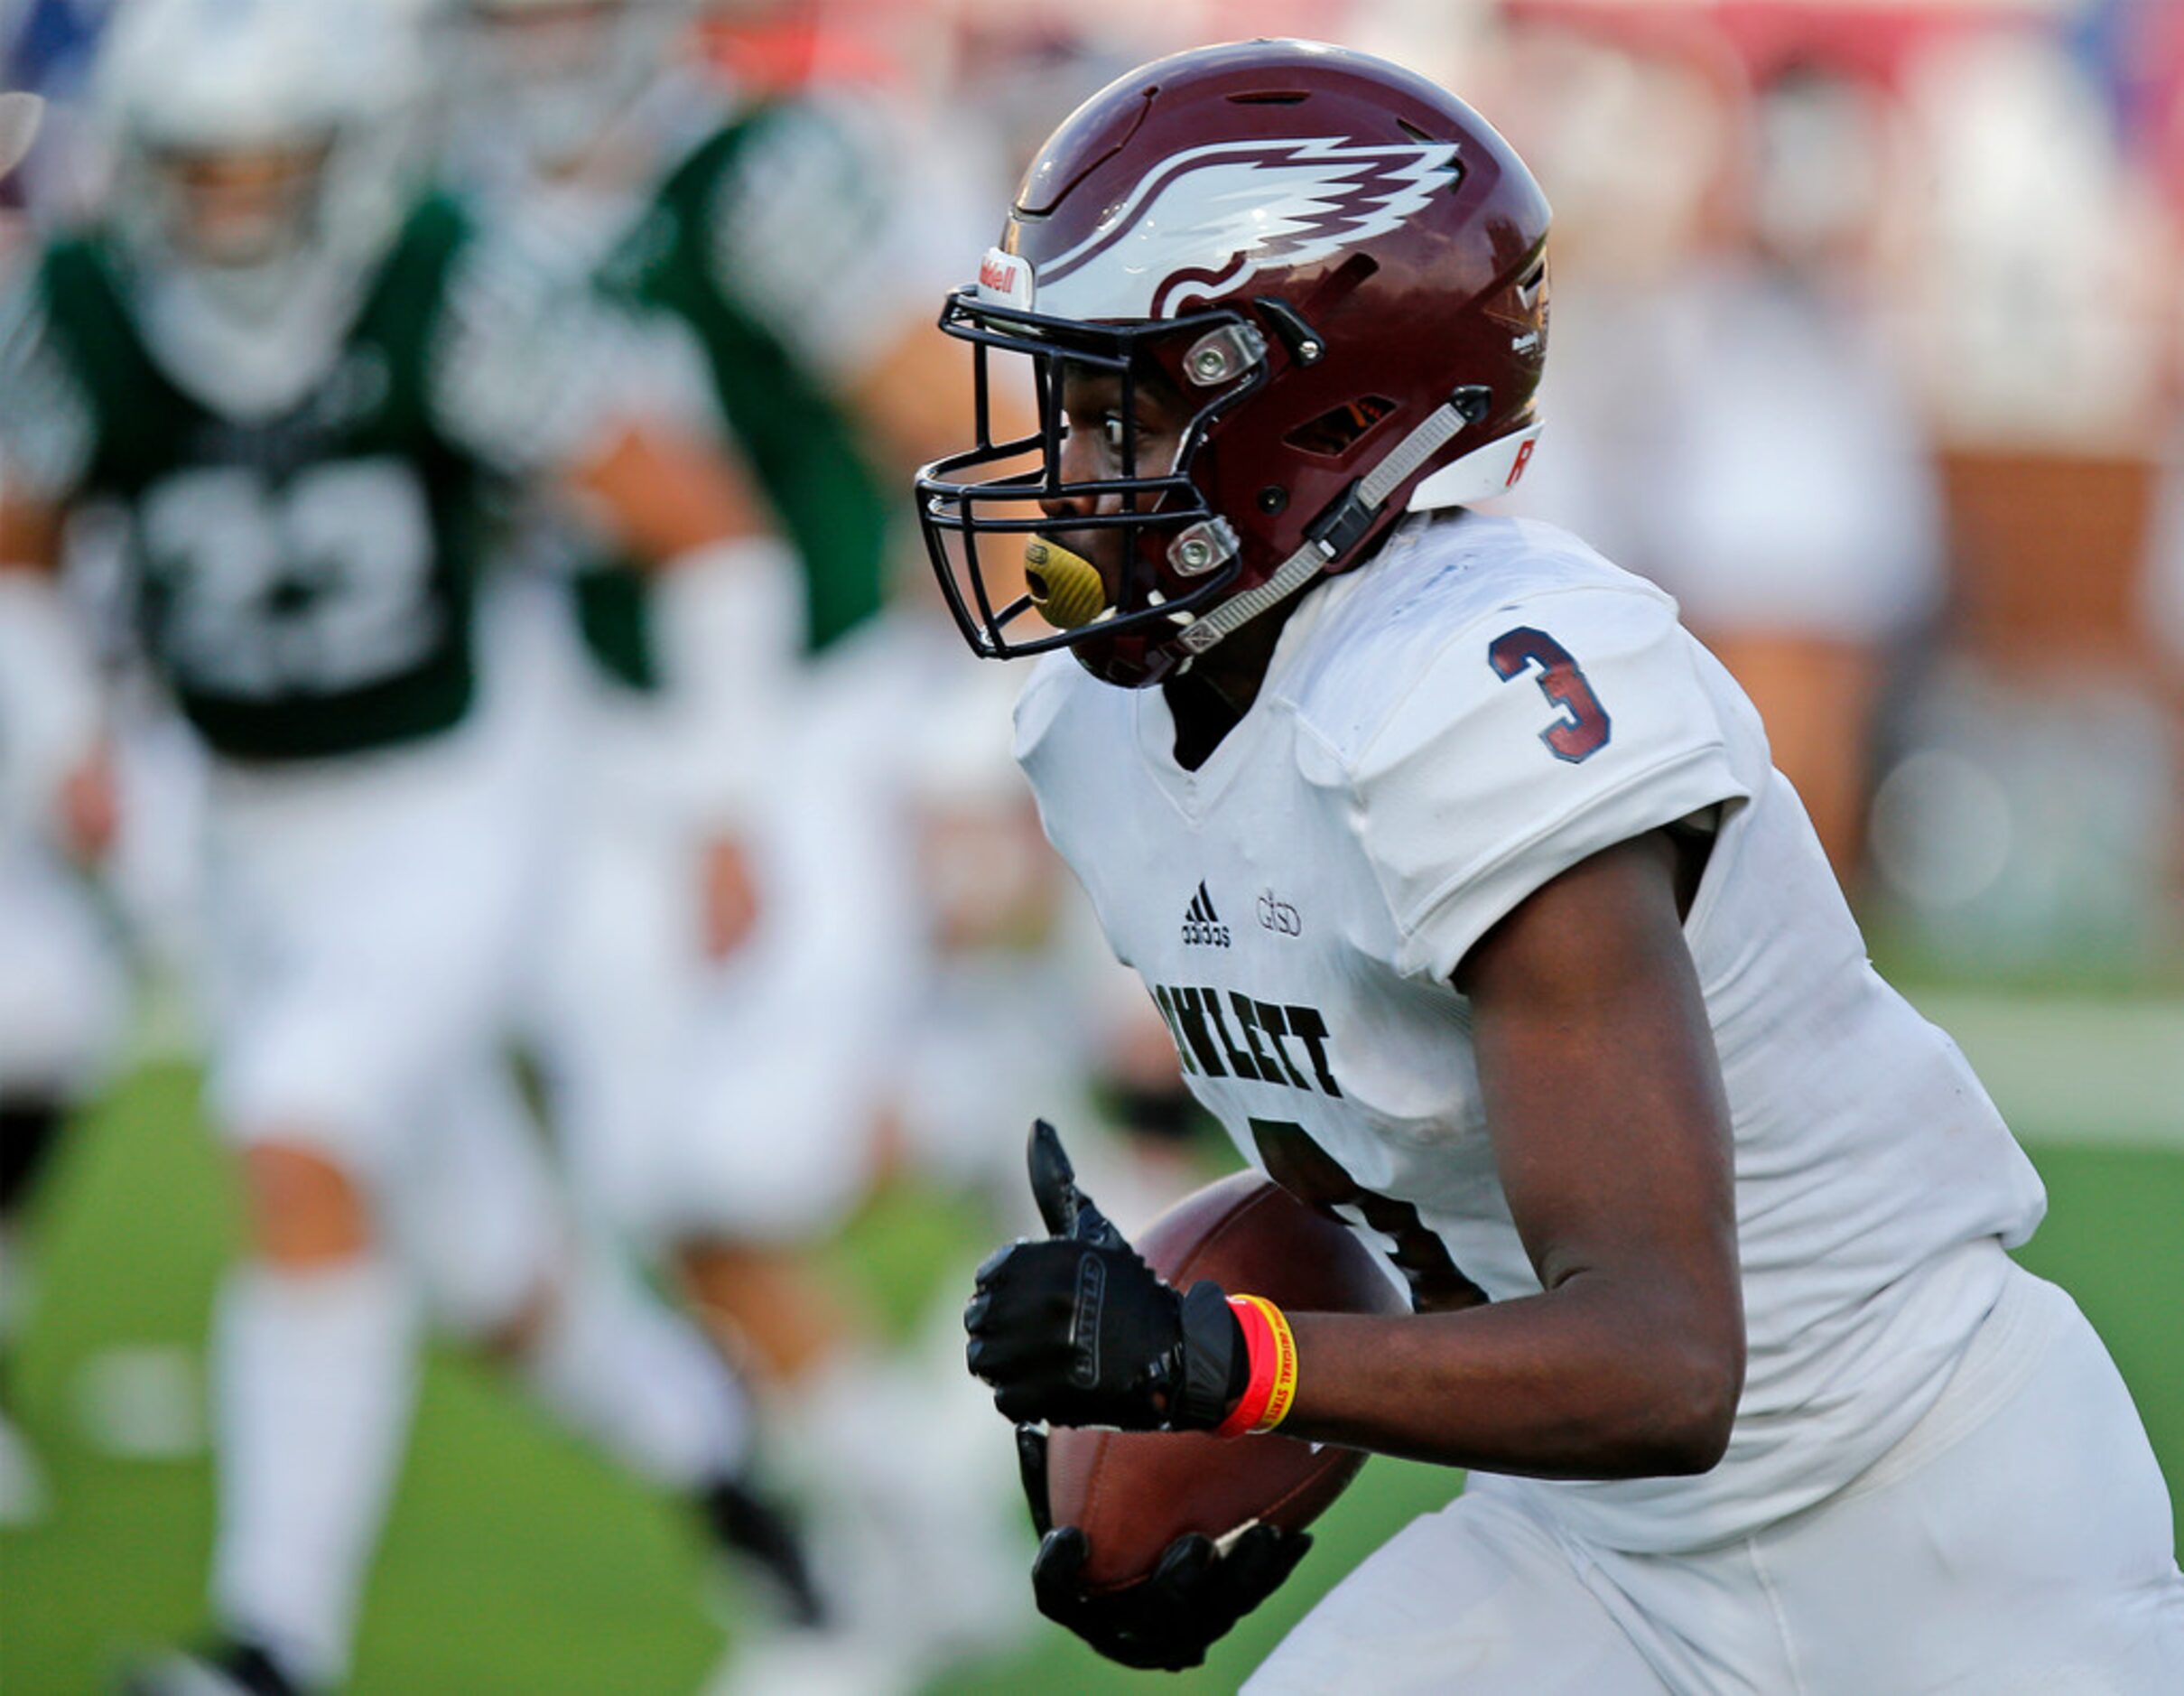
x=1203, y=222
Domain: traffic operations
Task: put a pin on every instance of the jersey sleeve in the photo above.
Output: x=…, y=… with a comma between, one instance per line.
x=1553, y=729
x=817, y=229
x=525, y=369
x=48, y=431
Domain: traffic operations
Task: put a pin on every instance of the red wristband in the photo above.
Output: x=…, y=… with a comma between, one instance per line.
x=1272, y=1385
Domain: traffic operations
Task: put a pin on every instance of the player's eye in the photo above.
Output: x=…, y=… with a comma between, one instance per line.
x=1114, y=430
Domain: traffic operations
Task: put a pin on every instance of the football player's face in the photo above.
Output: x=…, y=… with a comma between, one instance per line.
x=1103, y=442
x=243, y=206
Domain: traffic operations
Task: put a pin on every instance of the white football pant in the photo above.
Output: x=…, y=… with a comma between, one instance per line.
x=2017, y=1541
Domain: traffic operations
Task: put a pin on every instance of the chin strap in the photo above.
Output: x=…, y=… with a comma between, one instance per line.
x=1343, y=524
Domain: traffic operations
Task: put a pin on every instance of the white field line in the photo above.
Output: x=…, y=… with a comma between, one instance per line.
x=2067, y=1071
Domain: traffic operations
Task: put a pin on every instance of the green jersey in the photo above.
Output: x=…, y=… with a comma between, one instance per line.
x=304, y=581
x=701, y=253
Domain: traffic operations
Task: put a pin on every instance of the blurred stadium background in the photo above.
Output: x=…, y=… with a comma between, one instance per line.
x=1869, y=344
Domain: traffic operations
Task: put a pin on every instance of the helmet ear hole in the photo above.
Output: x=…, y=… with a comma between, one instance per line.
x=1340, y=428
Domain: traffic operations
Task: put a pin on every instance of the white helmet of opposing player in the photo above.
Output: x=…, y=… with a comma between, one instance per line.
x=257, y=140
x=562, y=73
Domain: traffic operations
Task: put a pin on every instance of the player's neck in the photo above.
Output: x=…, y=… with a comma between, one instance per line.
x=1213, y=697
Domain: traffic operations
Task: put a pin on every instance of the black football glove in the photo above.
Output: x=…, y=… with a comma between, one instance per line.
x=1078, y=1330
x=1164, y=1621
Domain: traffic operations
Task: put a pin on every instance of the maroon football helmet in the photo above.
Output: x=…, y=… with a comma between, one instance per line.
x=1337, y=265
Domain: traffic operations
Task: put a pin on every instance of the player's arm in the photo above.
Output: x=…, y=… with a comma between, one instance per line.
x=1604, y=1098
x=1605, y=1105
x=850, y=294
x=555, y=390
x=660, y=494
x=53, y=769
x=671, y=499
x=47, y=433
x=30, y=534
x=914, y=398
x=645, y=464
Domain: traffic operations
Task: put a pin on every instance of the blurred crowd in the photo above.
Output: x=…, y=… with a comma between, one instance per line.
x=470, y=440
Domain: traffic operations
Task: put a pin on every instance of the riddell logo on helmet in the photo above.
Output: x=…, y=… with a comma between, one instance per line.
x=1004, y=279
x=1523, y=459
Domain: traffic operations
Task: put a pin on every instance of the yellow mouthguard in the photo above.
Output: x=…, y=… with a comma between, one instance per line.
x=1066, y=587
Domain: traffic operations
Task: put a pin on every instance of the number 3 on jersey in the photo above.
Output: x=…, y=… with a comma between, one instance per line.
x=1295, y=1161
x=1585, y=731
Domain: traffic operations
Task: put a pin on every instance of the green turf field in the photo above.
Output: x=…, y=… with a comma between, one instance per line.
x=516, y=1564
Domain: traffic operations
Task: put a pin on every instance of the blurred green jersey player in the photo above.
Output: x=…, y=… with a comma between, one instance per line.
x=722, y=1006
x=304, y=388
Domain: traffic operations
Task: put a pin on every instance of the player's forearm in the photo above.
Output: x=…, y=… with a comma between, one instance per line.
x=1586, y=1382
x=51, y=699
x=30, y=533
x=661, y=495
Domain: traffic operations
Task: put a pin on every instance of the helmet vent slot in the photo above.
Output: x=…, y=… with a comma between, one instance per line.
x=1270, y=97
x=1357, y=269
x=1339, y=429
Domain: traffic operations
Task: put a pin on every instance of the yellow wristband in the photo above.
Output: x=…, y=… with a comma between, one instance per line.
x=1281, y=1388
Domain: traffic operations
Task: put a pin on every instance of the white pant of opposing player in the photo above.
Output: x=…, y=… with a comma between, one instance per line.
x=2018, y=1540
x=731, y=1098
x=364, y=915
x=360, y=913
x=712, y=1099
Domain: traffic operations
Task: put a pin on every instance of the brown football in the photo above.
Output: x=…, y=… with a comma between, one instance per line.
x=1134, y=1492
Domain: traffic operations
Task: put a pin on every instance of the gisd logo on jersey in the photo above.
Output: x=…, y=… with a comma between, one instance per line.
x=1201, y=925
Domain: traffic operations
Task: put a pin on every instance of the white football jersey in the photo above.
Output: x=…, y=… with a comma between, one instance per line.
x=1486, y=703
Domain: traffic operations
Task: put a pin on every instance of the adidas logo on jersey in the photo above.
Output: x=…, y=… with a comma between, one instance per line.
x=1201, y=925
